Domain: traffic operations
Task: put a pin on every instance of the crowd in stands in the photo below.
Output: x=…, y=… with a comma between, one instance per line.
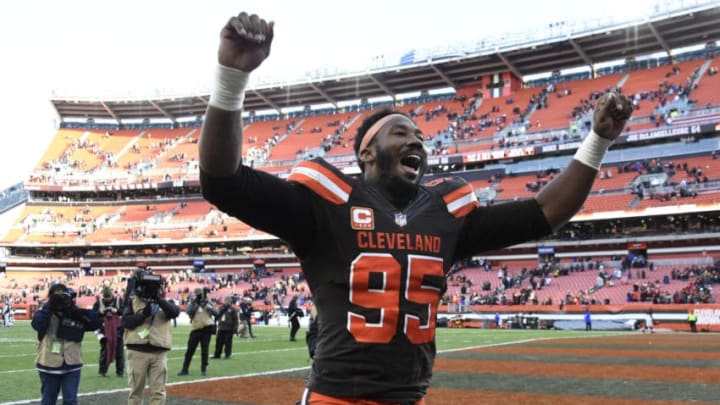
x=699, y=290
x=257, y=284
x=337, y=137
x=511, y=288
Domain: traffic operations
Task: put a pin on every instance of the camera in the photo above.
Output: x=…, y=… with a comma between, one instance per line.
x=146, y=285
x=201, y=294
x=62, y=300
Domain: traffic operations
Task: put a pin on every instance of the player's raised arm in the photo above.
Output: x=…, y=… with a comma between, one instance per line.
x=244, y=44
x=564, y=196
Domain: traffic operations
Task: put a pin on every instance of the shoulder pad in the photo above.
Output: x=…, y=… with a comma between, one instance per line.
x=323, y=179
x=458, y=195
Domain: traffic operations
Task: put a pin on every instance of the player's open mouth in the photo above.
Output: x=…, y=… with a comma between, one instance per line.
x=412, y=163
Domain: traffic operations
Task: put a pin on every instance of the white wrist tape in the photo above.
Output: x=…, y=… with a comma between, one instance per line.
x=228, y=91
x=592, y=151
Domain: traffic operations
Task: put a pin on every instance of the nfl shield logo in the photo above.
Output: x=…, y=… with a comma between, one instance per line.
x=400, y=219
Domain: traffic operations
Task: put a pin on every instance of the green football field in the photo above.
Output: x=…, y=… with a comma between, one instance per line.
x=270, y=351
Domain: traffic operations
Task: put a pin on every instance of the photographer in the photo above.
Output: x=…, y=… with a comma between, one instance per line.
x=227, y=326
x=148, y=336
x=246, y=310
x=61, y=326
x=202, y=325
x=312, y=332
x=294, y=314
x=110, y=308
x=7, y=312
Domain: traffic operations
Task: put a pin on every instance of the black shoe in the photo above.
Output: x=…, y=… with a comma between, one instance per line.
x=226, y=357
x=120, y=375
x=102, y=375
x=203, y=373
x=215, y=357
x=182, y=372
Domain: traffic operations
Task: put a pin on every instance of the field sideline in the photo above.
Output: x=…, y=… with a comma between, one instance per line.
x=269, y=352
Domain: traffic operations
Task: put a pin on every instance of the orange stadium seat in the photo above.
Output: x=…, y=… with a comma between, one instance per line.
x=649, y=80
x=60, y=144
x=149, y=144
x=707, y=90
x=302, y=136
x=611, y=202
x=558, y=113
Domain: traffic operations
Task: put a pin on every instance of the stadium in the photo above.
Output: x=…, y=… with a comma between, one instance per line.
x=118, y=189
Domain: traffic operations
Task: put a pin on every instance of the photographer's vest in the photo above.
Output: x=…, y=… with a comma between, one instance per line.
x=155, y=331
x=115, y=303
x=53, y=351
x=202, y=319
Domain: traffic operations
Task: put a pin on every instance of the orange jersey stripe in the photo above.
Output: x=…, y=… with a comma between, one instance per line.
x=322, y=181
x=461, y=201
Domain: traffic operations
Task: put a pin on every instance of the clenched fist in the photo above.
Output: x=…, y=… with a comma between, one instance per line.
x=245, y=42
x=612, y=112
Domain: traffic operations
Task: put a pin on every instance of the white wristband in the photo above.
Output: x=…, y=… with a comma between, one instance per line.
x=228, y=91
x=592, y=151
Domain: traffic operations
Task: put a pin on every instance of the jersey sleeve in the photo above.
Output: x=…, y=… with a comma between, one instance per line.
x=501, y=225
x=264, y=202
x=458, y=195
x=323, y=179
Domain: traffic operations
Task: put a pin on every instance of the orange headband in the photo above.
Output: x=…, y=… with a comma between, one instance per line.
x=375, y=128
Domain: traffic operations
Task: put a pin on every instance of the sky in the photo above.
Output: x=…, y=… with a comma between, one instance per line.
x=98, y=47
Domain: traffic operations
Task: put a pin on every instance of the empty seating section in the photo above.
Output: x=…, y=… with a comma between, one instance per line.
x=192, y=211
x=354, y=122
x=183, y=151
x=86, y=160
x=652, y=80
x=561, y=103
x=172, y=234
x=643, y=126
x=60, y=144
x=468, y=91
x=489, y=122
x=311, y=133
x=470, y=147
x=114, y=143
x=707, y=91
x=710, y=167
x=58, y=215
x=612, y=202
x=147, y=146
x=517, y=187
x=95, y=148
x=110, y=234
x=257, y=134
x=432, y=118
x=615, y=181
x=142, y=212
x=230, y=227
x=117, y=223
